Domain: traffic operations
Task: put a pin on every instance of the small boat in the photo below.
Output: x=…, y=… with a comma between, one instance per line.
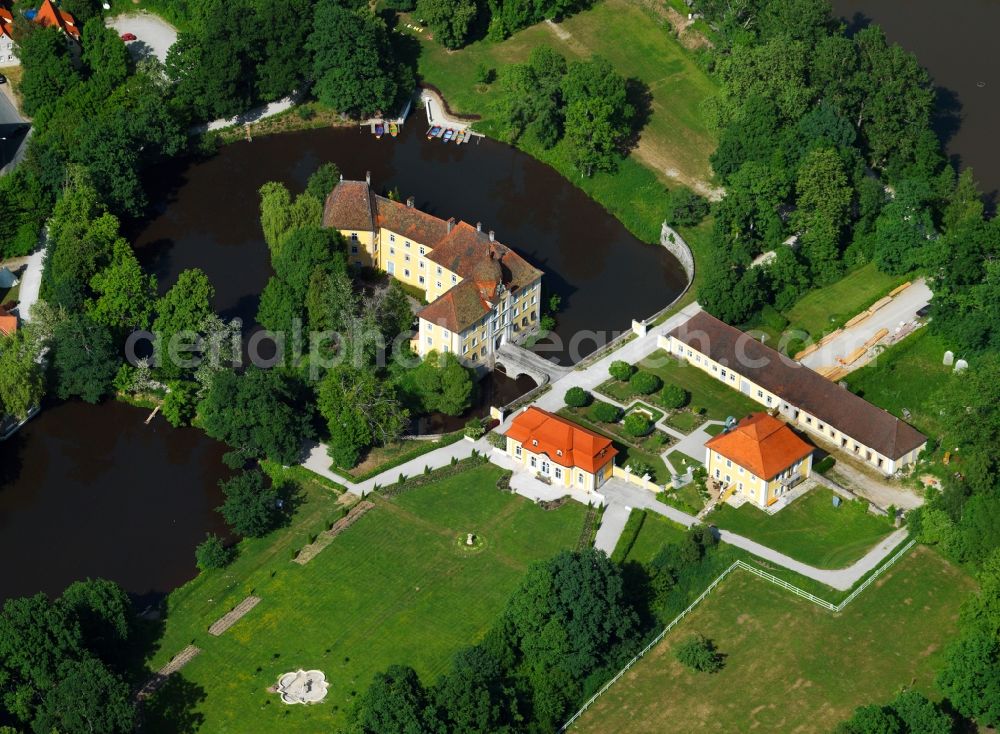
x=448, y=134
x=434, y=132
x=379, y=130
x=393, y=129
x=460, y=137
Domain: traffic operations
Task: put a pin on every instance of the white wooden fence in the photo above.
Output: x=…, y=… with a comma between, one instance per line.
x=757, y=572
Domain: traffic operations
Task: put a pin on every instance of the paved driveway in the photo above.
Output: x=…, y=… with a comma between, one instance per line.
x=155, y=36
x=13, y=130
x=901, y=309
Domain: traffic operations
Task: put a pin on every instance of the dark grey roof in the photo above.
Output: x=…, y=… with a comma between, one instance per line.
x=799, y=386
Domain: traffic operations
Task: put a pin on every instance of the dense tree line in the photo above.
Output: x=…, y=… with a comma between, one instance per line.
x=63, y=663
x=826, y=139
x=455, y=23
x=584, y=104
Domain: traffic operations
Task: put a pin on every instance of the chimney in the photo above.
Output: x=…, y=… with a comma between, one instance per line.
x=493, y=235
x=409, y=202
x=479, y=226
x=451, y=223
x=368, y=177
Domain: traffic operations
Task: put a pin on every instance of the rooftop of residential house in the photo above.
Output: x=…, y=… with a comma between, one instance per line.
x=799, y=386
x=761, y=444
x=49, y=15
x=484, y=264
x=563, y=441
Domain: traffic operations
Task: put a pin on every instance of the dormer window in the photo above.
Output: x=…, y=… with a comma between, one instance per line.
x=558, y=452
x=534, y=442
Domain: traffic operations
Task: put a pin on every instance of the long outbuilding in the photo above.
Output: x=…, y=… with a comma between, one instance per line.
x=825, y=410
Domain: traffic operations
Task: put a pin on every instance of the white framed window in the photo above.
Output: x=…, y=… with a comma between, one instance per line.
x=579, y=478
x=558, y=473
x=534, y=461
x=422, y=250
x=454, y=279
x=439, y=270
x=392, y=238
x=392, y=250
x=421, y=279
x=406, y=272
x=517, y=451
x=406, y=257
x=407, y=244
x=439, y=284
x=354, y=236
x=430, y=341
x=354, y=249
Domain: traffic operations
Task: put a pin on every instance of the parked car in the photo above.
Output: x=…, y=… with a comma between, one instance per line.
x=3, y=79
x=128, y=37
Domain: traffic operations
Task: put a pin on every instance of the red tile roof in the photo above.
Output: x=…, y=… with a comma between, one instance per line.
x=6, y=23
x=49, y=15
x=799, y=386
x=410, y=222
x=761, y=444
x=349, y=206
x=472, y=254
x=563, y=441
x=8, y=323
x=460, y=307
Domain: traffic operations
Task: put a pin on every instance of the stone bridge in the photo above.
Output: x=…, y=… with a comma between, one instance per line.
x=516, y=361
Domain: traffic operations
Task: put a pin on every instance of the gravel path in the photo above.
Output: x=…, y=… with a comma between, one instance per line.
x=154, y=36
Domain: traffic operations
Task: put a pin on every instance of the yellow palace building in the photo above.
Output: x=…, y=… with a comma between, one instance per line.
x=480, y=293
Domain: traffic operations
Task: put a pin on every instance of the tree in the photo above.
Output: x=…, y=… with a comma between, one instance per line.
x=473, y=696
x=530, y=98
x=331, y=304
x=637, y=424
x=252, y=506
x=685, y=208
x=823, y=200
x=577, y=397
x=603, y=412
x=48, y=68
x=442, y=384
x=598, y=115
x=698, y=653
x=180, y=314
x=104, y=53
x=355, y=68
x=104, y=613
x=872, y=719
x=395, y=701
x=84, y=359
x=971, y=676
x=360, y=410
x=22, y=383
x=621, y=370
x=87, y=698
x=125, y=294
x=674, y=397
x=81, y=10
x=212, y=553
x=261, y=413
x=281, y=216
x=919, y=715
x=449, y=20
x=181, y=403
x=323, y=181
x=645, y=383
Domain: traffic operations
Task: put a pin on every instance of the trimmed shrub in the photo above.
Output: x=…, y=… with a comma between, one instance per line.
x=602, y=412
x=621, y=371
x=577, y=397
x=698, y=653
x=645, y=383
x=475, y=429
x=674, y=397
x=497, y=440
x=685, y=208
x=637, y=424
x=639, y=467
x=825, y=465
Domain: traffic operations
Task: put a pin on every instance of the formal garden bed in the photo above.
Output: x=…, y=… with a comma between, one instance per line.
x=383, y=458
x=690, y=498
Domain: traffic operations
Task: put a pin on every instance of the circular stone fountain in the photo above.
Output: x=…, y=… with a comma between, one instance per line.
x=303, y=686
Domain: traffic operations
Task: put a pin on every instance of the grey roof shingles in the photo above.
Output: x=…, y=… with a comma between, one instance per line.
x=800, y=386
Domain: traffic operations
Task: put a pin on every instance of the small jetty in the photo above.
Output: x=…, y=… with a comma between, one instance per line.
x=444, y=126
x=380, y=126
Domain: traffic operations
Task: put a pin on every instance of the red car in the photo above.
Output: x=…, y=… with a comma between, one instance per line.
x=128, y=37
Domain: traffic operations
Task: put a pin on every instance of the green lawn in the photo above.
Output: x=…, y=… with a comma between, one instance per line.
x=790, y=665
x=687, y=499
x=810, y=529
x=655, y=532
x=397, y=587
x=824, y=309
x=681, y=462
x=707, y=394
x=684, y=420
x=907, y=376
x=381, y=458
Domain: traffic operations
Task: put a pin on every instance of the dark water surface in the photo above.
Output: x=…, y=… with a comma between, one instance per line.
x=93, y=491
x=956, y=42
x=209, y=219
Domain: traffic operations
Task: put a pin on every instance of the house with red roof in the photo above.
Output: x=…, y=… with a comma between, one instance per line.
x=47, y=15
x=759, y=459
x=8, y=323
x=559, y=451
x=480, y=293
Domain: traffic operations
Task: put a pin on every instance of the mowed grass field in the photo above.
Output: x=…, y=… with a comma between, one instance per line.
x=907, y=376
x=396, y=587
x=810, y=529
x=716, y=399
x=790, y=665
